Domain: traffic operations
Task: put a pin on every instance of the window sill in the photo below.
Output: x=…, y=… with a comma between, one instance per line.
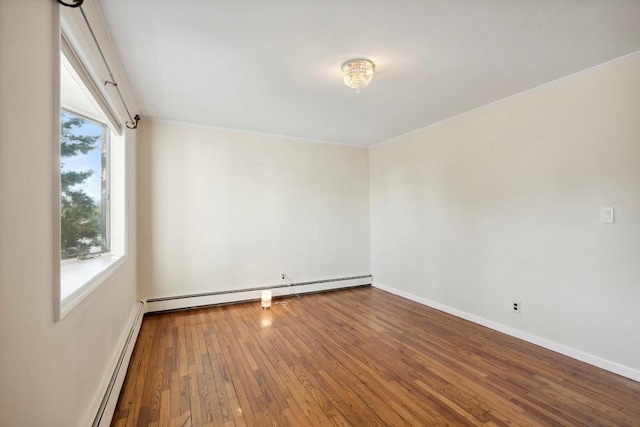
x=79, y=278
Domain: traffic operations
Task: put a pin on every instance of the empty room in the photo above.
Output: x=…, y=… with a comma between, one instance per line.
x=297, y=213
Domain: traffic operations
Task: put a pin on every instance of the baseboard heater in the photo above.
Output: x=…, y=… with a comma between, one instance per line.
x=178, y=302
x=110, y=398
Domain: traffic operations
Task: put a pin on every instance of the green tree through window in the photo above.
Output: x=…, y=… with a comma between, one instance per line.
x=82, y=155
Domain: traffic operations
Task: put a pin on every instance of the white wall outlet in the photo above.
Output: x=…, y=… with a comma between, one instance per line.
x=606, y=215
x=516, y=306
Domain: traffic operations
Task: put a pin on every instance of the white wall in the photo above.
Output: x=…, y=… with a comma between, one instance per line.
x=51, y=371
x=223, y=210
x=502, y=204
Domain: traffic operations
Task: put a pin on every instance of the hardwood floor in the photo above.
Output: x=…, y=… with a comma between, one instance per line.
x=358, y=357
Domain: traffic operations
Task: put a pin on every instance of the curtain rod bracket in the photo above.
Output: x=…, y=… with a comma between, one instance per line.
x=76, y=3
x=132, y=125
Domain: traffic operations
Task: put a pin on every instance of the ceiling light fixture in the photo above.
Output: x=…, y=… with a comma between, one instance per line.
x=357, y=73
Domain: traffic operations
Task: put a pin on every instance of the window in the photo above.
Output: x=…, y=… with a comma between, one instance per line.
x=92, y=222
x=84, y=187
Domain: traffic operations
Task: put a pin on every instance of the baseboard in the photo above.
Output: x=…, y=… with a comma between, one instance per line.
x=179, y=302
x=104, y=405
x=608, y=365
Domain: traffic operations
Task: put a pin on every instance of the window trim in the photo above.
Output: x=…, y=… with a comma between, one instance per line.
x=105, y=188
x=102, y=268
x=96, y=271
x=73, y=38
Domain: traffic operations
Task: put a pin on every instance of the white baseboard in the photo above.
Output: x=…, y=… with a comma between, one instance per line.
x=608, y=365
x=223, y=297
x=104, y=404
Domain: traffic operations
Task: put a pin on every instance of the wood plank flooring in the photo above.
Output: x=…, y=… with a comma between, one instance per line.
x=359, y=357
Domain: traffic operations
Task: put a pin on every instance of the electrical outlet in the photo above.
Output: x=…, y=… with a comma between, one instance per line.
x=606, y=215
x=517, y=306
x=284, y=276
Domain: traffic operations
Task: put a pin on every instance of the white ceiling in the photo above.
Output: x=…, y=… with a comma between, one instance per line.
x=274, y=66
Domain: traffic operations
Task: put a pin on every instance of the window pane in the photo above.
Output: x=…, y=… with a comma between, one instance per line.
x=83, y=161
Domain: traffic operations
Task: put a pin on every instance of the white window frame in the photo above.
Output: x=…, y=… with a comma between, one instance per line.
x=84, y=276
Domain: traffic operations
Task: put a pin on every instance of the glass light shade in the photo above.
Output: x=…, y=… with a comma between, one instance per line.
x=358, y=73
x=266, y=299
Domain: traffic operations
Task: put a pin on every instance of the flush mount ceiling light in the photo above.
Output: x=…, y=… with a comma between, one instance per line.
x=357, y=73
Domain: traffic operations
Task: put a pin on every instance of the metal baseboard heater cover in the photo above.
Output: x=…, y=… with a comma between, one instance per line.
x=263, y=288
x=128, y=346
x=182, y=302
